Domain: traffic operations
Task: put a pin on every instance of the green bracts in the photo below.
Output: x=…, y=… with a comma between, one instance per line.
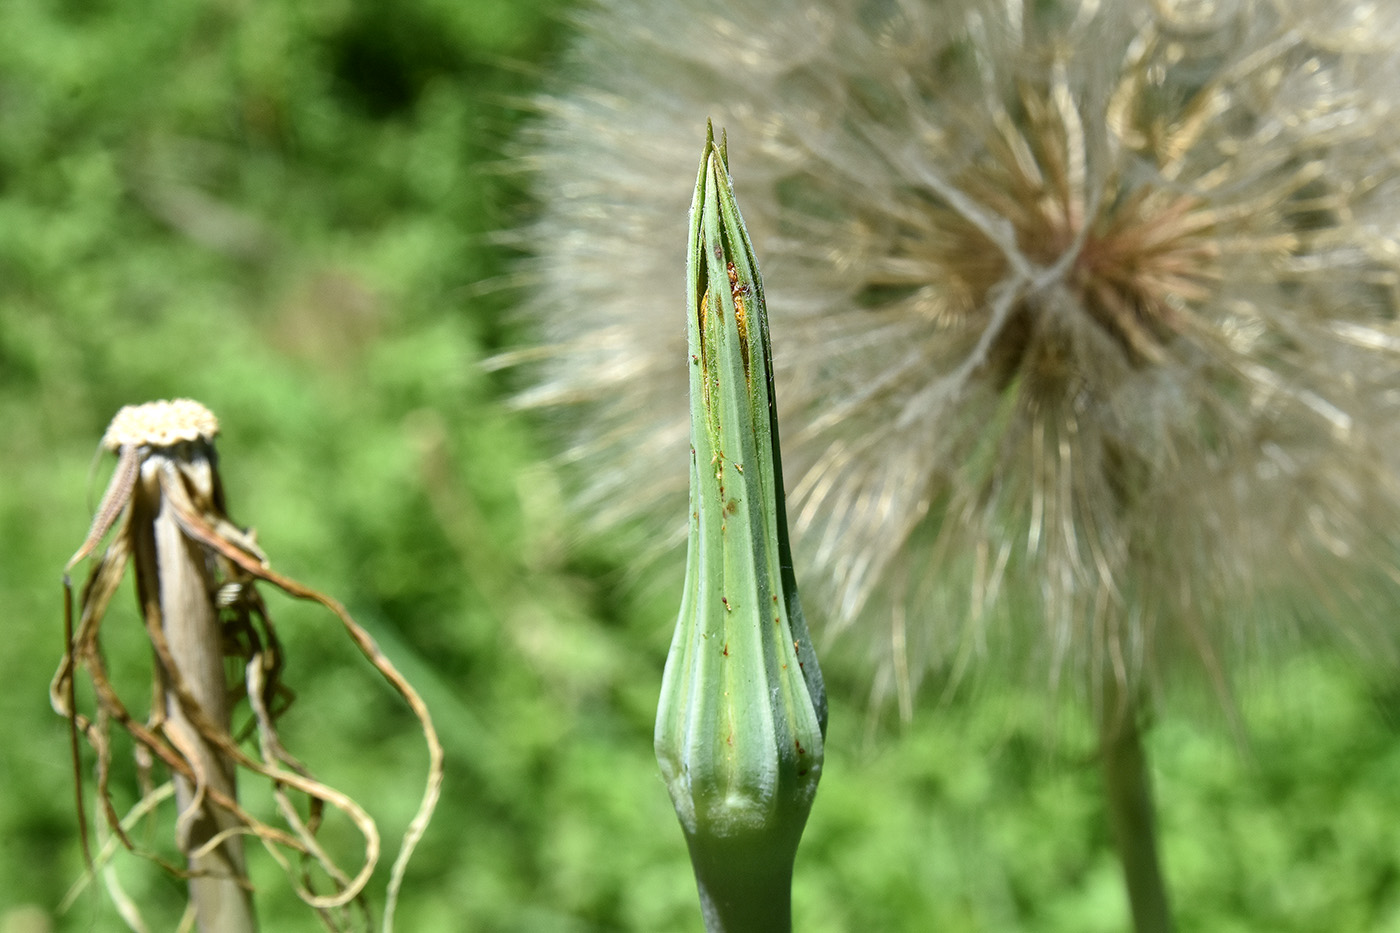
x=742, y=718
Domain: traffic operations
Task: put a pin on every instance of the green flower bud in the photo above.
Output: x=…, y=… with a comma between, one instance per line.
x=742, y=719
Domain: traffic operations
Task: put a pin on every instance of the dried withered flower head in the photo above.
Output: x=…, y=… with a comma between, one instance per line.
x=1091, y=358
x=196, y=575
x=160, y=424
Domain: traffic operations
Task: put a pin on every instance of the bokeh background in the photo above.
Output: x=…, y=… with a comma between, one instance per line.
x=299, y=213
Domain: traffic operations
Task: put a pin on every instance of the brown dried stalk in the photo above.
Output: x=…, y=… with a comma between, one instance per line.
x=196, y=575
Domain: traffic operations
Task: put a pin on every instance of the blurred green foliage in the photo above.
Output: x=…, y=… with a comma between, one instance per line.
x=285, y=210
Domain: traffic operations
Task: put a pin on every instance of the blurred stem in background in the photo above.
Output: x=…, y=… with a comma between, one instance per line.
x=741, y=725
x=1128, y=799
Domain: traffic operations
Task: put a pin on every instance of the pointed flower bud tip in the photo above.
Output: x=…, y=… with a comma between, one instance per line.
x=742, y=718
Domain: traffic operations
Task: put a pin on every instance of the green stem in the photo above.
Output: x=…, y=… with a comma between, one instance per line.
x=1131, y=815
x=743, y=889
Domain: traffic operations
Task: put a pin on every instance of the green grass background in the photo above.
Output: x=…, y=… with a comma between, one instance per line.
x=284, y=209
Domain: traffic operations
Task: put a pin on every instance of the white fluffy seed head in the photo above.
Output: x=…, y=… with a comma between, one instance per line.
x=1084, y=314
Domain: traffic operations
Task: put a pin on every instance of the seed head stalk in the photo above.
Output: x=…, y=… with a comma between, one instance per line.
x=742, y=719
x=1131, y=811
